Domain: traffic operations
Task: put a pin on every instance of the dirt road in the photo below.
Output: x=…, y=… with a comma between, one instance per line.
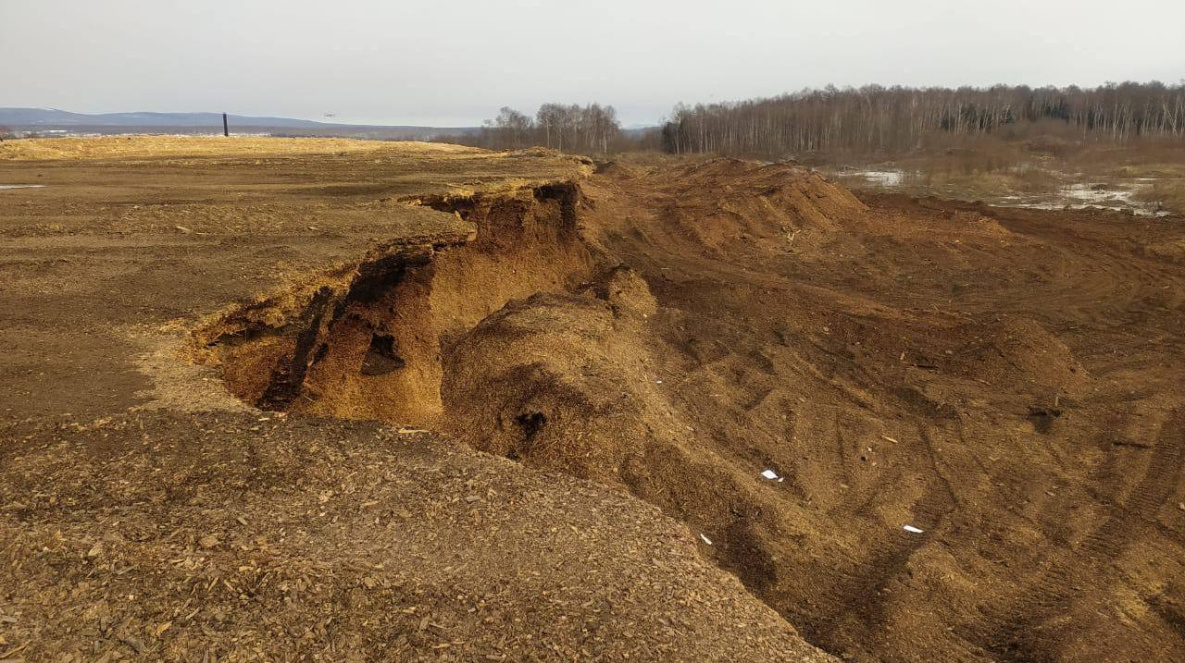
x=1008, y=382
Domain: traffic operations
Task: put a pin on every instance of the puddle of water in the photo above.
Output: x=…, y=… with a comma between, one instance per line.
x=22, y=186
x=1084, y=195
x=885, y=178
x=1119, y=196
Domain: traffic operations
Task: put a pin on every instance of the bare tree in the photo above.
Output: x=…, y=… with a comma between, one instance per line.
x=550, y=119
x=593, y=129
x=875, y=119
x=599, y=127
x=510, y=130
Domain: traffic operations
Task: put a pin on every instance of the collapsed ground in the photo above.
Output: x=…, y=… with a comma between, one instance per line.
x=1008, y=382
x=146, y=513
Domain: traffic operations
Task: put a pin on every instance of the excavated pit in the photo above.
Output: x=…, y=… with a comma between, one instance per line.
x=527, y=339
x=678, y=334
x=365, y=340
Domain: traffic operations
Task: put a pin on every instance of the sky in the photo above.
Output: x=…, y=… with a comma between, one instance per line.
x=456, y=62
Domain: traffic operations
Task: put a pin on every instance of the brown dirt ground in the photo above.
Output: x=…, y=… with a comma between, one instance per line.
x=147, y=514
x=1008, y=381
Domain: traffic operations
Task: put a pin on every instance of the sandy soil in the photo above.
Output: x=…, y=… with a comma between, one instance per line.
x=1008, y=381
x=145, y=513
x=156, y=147
x=513, y=409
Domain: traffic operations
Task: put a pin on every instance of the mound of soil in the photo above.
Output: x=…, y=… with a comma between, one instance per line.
x=365, y=340
x=918, y=430
x=567, y=383
x=285, y=539
x=1020, y=349
x=558, y=382
x=728, y=205
x=617, y=170
x=146, y=514
x=798, y=377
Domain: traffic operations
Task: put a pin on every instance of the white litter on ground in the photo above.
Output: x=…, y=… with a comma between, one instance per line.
x=705, y=539
x=772, y=476
x=911, y=529
x=22, y=186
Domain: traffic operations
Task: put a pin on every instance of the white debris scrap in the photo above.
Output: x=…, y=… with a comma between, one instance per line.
x=705, y=539
x=772, y=476
x=912, y=530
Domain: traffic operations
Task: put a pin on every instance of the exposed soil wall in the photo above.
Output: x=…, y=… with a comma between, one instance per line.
x=364, y=341
x=797, y=377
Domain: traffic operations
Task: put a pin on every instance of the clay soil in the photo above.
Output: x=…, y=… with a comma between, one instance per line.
x=323, y=400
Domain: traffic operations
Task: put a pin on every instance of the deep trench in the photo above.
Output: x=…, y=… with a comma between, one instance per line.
x=369, y=345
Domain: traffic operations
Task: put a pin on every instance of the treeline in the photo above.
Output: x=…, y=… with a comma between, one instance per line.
x=875, y=119
x=591, y=129
x=871, y=120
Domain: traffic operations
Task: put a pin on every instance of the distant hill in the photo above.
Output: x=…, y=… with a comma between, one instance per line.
x=52, y=120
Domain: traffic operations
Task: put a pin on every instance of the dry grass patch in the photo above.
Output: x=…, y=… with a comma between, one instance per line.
x=109, y=147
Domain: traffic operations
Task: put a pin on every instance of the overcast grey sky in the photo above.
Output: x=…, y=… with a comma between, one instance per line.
x=455, y=62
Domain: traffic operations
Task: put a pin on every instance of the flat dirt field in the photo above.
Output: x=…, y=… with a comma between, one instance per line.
x=275, y=399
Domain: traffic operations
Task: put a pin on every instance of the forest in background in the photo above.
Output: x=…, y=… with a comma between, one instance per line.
x=888, y=122
x=590, y=129
x=871, y=122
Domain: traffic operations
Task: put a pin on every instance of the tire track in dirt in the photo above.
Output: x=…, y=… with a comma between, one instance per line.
x=863, y=595
x=1078, y=277
x=1068, y=576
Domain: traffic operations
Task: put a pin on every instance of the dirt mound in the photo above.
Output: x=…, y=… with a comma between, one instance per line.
x=1173, y=250
x=568, y=383
x=322, y=540
x=923, y=365
x=988, y=227
x=617, y=170
x=716, y=168
x=916, y=429
x=560, y=382
x=143, y=515
x=1021, y=350
x=557, y=382
x=364, y=341
x=728, y=205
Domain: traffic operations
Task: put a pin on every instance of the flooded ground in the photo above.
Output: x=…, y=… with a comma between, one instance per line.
x=1120, y=196
x=1071, y=192
x=884, y=178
